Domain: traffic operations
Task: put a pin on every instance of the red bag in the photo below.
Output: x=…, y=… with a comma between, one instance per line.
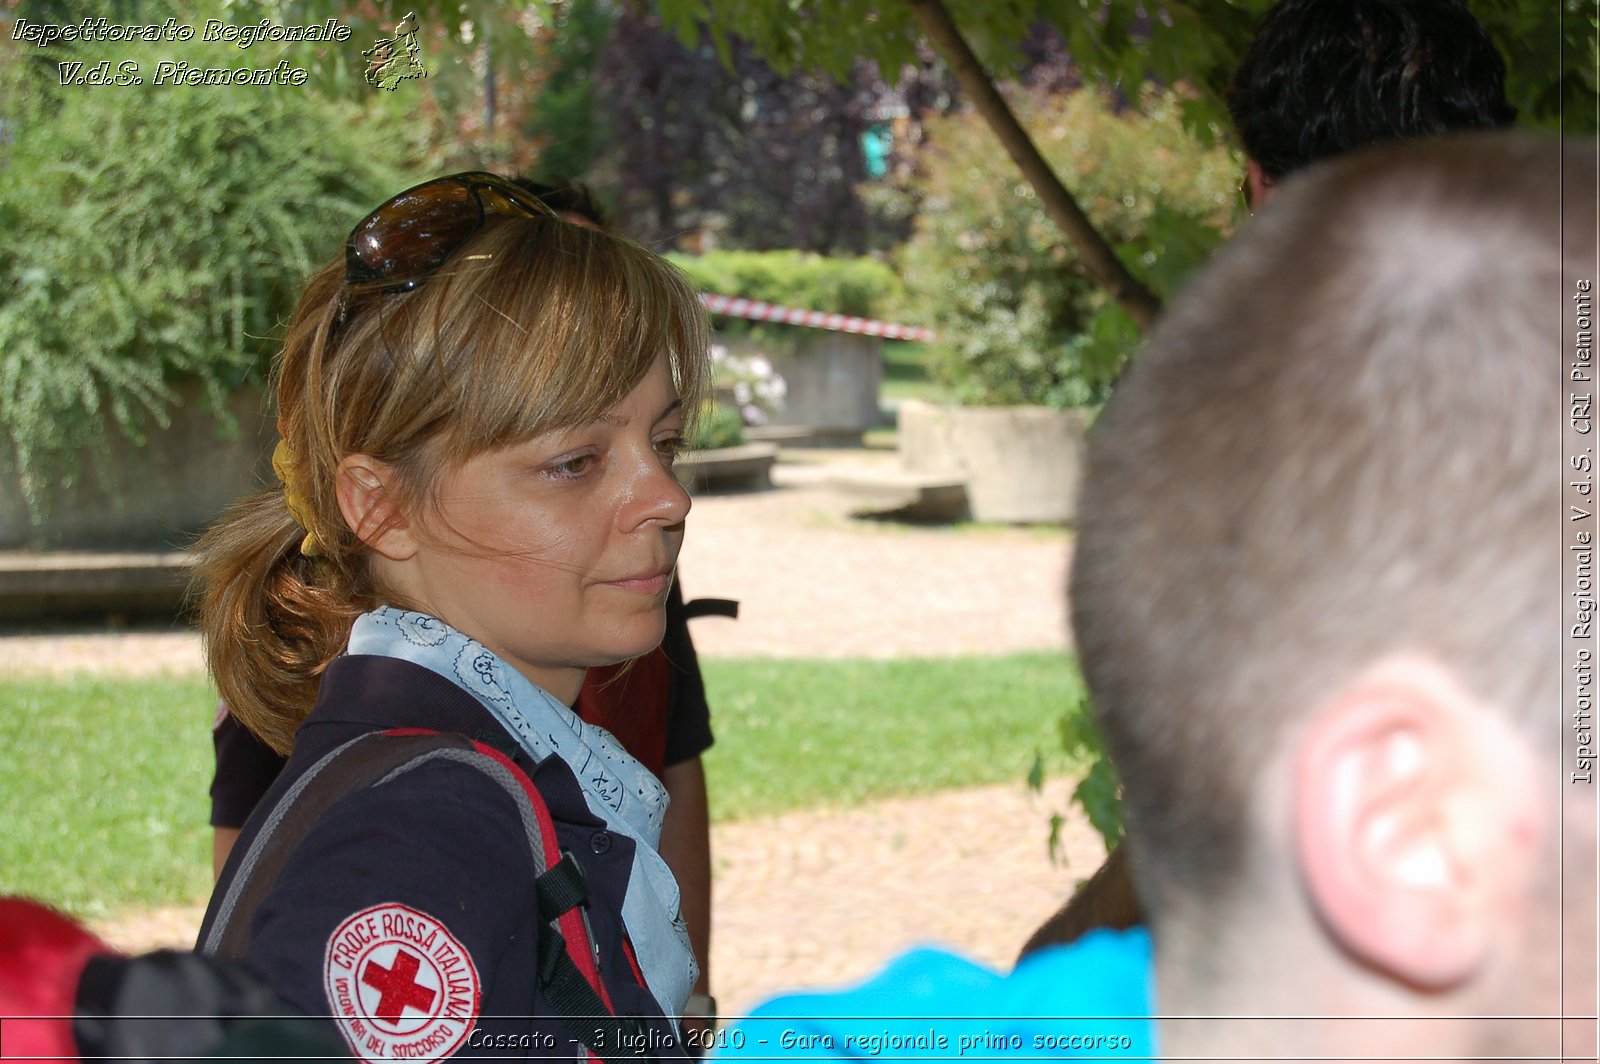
x=42, y=956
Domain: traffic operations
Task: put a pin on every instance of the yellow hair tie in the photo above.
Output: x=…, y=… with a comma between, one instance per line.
x=283, y=467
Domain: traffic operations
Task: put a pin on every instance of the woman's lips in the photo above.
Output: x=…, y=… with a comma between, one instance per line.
x=653, y=582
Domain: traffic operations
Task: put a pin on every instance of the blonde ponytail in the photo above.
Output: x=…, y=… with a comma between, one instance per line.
x=271, y=624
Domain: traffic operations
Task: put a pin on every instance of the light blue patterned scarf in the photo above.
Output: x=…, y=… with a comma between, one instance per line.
x=617, y=788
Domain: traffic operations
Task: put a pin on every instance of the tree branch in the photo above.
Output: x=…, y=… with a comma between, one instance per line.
x=1093, y=251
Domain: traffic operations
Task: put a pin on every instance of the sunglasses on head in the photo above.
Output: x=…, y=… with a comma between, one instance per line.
x=401, y=244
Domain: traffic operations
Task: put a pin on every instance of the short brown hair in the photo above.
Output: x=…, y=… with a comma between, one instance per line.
x=1342, y=442
x=535, y=324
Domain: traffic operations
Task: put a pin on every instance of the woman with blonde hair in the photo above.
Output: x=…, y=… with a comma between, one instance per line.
x=480, y=405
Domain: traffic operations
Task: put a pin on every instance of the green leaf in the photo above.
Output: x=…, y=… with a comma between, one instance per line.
x=1099, y=795
x=1080, y=735
x=1053, y=847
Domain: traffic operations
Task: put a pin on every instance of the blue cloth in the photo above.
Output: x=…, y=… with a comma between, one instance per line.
x=1091, y=999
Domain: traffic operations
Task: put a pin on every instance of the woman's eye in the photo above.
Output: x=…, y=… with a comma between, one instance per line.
x=573, y=467
x=669, y=447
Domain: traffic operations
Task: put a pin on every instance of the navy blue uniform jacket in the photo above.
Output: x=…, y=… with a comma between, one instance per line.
x=409, y=899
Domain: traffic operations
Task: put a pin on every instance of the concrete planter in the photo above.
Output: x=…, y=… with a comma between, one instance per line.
x=1021, y=464
x=153, y=497
x=832, y=380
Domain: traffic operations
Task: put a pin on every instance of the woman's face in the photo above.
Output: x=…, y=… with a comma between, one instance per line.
x=557, y=552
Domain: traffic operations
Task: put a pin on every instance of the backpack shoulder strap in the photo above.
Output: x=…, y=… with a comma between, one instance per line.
x=354, y=766
x=568, y=974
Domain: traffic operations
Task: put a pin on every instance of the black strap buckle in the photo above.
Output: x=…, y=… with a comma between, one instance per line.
x=561, y=888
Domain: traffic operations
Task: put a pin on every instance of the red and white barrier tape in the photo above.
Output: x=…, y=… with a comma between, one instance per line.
x=753, y=310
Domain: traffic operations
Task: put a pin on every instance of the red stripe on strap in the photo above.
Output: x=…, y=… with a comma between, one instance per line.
x=573, y=931
x=633, y=961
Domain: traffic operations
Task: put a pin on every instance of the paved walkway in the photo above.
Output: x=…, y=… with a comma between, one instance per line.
x=823, y=896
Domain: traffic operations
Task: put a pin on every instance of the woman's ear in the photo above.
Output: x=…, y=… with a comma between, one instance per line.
x=371, y=509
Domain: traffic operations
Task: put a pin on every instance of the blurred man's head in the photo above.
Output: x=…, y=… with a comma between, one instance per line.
x=1323, y=77
x=1317, y=592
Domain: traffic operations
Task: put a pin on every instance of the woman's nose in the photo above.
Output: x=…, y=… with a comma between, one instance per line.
x=655, y=495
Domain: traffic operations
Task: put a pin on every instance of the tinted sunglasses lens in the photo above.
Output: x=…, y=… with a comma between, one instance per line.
x=410, y=236
x=406, y=239
x=505, y=200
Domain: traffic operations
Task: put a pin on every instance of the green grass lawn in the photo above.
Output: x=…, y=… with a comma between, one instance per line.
x=103, y=804
x=104, y=801
x=797, y=734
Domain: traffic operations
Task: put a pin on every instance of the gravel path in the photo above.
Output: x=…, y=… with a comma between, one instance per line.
x=822, y=896
x=812, y=582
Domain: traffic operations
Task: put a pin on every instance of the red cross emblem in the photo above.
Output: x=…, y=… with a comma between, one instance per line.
x=398, y=987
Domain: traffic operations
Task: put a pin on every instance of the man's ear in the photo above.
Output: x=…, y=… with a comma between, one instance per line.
x=371, y=509
x=1261, y=186
x=1404, y=827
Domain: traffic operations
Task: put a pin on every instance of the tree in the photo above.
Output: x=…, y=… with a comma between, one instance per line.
x=775, y=159
x=484, y=62
x=1550, y=49
x=596, y=89
x=1018, y=322
x=562, y=124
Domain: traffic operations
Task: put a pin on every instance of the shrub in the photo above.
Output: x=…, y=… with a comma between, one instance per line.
x=863, y=287
x=1019, y=321
x=149, y=232
x=719, y=425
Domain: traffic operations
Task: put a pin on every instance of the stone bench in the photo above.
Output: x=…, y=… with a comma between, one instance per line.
x=782, y=435
x=747, y=466
x=912, y=496
x=85, y=585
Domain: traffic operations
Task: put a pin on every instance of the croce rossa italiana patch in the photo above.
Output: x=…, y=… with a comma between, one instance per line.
x=401, y=986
